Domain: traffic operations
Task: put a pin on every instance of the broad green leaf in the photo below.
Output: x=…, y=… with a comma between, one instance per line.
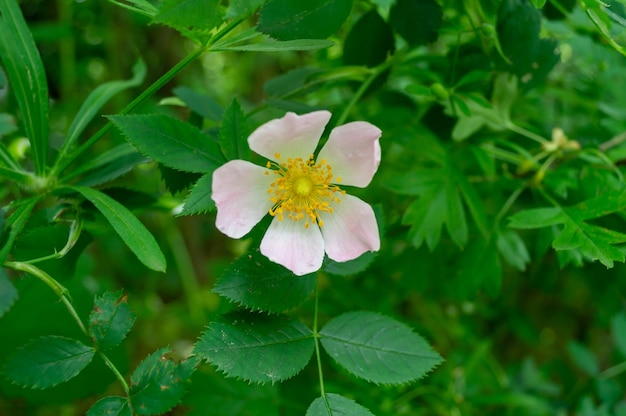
x=110, y=320
x=199, y=201
x=128, y=227
x=311, y=19
x=27, y=76
x=279, y=46
x=199, y=103
x=47, y=361
x=257, y=348
x=17, y=220
x=377, y=348
x=336, y=405
x=259, y=284
x=158, y=383
x=369, y=42
x=583, y=358
x=97, y=98
x=171, y=142
x=8, y=293
x=192, y=18
x=618, y=332
x=234, y=133
x=238, y=9
x=417, y=21
x=110, y=406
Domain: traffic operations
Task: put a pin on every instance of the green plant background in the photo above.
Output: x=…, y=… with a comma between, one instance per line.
x=500, y=198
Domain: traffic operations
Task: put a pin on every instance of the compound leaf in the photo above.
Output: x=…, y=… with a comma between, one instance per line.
x=259, y=284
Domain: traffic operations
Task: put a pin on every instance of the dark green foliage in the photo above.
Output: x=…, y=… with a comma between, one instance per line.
x=110, y=320
x=369, y=42
x=417, y=21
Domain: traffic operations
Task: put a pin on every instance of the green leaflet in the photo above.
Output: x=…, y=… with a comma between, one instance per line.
x=339, y=406
x=27, y=76
x=312, y=19
x=583, y=358
x=169, y=141
x=192, y=18
x=258, y=284
x=158, y=383
x=199, y=103
x=47, y=361
x=234, y=133
x=278, y=46
x=377, y=348
x=110, y=320
x=128, y=227
x=276, y=347
x=592, y=241
x=110, y=406
x=199, y=201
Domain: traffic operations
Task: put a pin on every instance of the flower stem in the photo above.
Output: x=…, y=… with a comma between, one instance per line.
x=316, y=337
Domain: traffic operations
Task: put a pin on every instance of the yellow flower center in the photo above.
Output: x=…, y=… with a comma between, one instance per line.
x=302, y=189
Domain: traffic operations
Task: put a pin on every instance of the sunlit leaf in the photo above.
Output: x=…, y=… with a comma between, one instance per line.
x=377, y=348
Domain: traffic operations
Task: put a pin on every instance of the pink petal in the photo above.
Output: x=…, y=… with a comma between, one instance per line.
x=299, y=249
x=239, y=190
x=292, y=136
x=350, y=230
x=353, y=152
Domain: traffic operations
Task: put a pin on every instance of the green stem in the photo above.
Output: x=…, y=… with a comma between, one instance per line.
x=526, y=133
x=74, y=235
x=359, y=93
x=507, y=205
x=613, y=371
x=63, y=294
x=316, y=337
x=63, y=162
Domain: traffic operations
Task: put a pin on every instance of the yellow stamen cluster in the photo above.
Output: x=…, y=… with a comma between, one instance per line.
x=302, y=189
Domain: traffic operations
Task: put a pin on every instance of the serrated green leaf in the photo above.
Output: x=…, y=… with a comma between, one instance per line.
x=110, y=406
x=171, y=142
x=8, y=293
x=275, y=347
x=128, y=227
x=536, y=218
x=26, y=72
x=618, y=332
x=47, y=361
x=199, y=201
x=199, y=103
x=234, y=133
x=158, y=383
x=336, y=405
x=176, y=181
x=259, y=284
x=192, y=18
x=583, y=358
x=377, y=348
x=97, y=98
x=417, y=21
x=426, y=215
x=312, y=19
x=110, y=320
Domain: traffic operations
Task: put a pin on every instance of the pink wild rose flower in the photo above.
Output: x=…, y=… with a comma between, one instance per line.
x=312, y=214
